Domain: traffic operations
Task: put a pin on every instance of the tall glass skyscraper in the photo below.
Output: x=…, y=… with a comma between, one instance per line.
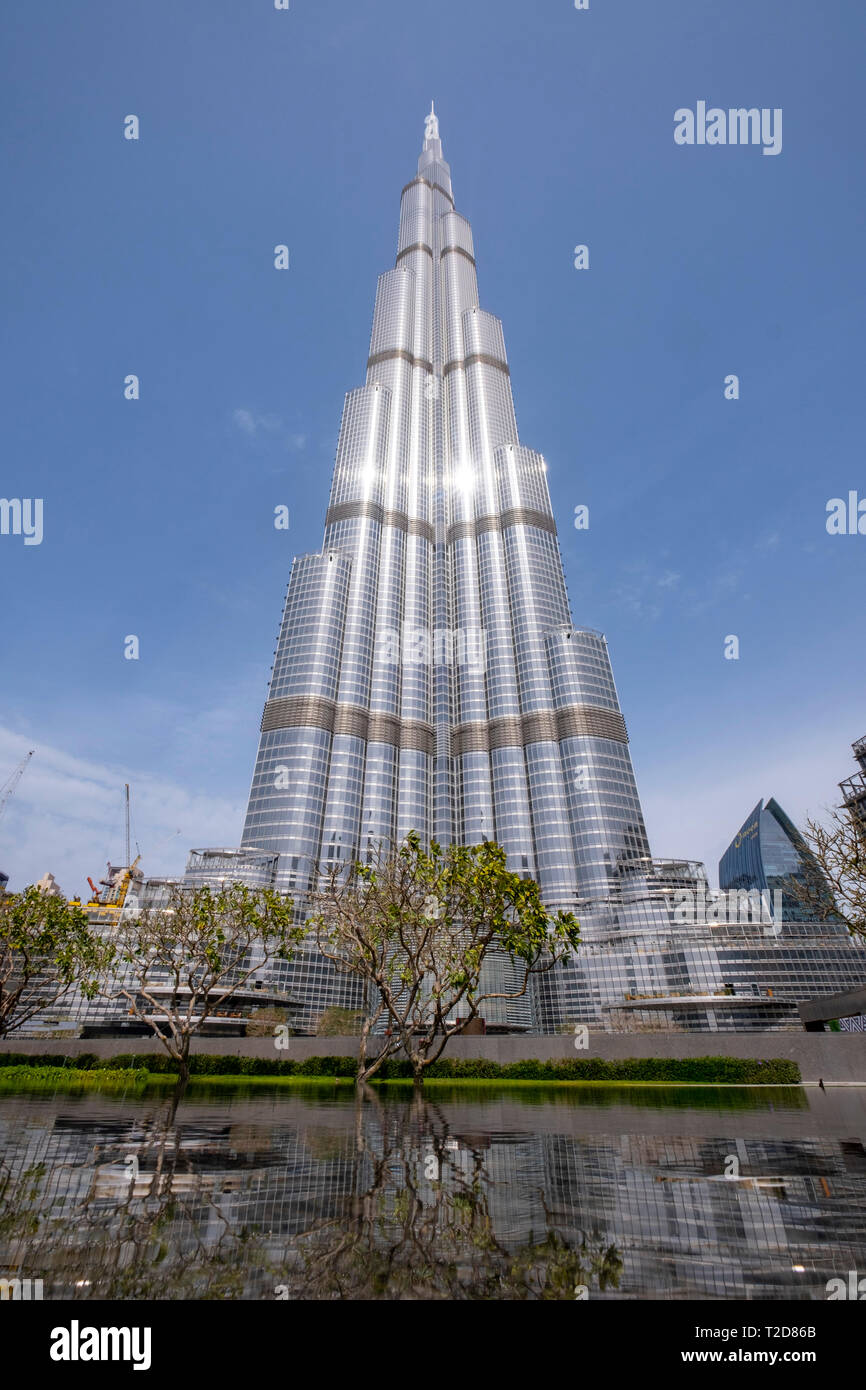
x=428, y=675
x=765, y=854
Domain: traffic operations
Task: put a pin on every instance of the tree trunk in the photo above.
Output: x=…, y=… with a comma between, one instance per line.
x=363, y=1070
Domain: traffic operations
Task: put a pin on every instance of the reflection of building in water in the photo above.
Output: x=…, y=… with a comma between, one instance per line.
x=686, y=1229
x=268, y=1191
x=209, y=1186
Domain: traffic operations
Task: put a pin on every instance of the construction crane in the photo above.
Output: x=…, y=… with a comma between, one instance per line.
x=11, y=783
x=105, y=909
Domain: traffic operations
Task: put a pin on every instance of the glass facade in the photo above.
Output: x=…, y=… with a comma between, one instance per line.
x=215, y=867
x=428, y=677
x=496, y=718
x=767, y=851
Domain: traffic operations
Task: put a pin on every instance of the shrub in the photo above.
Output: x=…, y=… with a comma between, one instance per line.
x=744, y=1071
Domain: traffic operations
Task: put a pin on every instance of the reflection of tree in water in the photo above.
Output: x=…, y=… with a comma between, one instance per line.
x=155, y=1228
x=419, y=1225
x=418, y=1212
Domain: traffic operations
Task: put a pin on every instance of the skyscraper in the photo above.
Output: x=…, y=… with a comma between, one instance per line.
x=428, y=675
x=765, y=854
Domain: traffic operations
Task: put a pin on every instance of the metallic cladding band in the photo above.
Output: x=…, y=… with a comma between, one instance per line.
x=541, y=726
x=413, y=526
x=457, y=251
x=480, y=736
x=437, y=188
x=343, y=511
x=416, y=246
x=314, y=712
x=515, y=516
x=461, y=363
x=402, y=353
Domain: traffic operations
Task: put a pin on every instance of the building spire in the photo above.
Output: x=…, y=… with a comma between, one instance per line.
x=431, y=127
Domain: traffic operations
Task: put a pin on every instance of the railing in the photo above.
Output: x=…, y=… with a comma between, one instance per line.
x=853, y=788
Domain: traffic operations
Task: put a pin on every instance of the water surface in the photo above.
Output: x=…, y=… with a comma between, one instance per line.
x=597, y=1192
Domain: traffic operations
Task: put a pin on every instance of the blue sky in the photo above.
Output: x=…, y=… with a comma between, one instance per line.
x=258, y=127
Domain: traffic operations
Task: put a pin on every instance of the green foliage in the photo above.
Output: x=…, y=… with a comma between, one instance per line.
x=187, y=960
x=416, y=926
x=46, y=947
x=339, y=1023
x=742, y=1071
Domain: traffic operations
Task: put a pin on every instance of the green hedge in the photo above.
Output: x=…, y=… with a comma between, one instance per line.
x=48, y=1077
x=732, y=1070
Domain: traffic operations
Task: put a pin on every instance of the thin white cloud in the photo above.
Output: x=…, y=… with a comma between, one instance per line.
x=256, y=425
x=253, y=423
x=66, y=816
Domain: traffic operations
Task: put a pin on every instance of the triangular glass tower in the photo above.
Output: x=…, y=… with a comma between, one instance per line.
x=428, y=675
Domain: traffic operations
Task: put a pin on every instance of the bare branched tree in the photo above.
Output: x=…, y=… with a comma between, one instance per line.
x=185, y=961
x=418, y=926
x=419, y=1225
x=833, y=885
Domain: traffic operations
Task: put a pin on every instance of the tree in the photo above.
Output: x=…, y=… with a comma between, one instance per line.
x=335, y=1022
x=46, y=949
x=832, y=881
x=421, y=1223
x=418, y=926
x=185, y=961
x=410, y=1208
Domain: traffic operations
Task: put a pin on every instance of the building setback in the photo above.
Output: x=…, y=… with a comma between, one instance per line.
x=428, y=675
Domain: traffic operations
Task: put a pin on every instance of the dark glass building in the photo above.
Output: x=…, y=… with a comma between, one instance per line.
x=767, y=851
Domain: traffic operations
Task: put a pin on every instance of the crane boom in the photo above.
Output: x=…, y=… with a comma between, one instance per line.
x=11, y=783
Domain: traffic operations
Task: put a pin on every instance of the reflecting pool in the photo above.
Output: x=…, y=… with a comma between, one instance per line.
x=492, y=1192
